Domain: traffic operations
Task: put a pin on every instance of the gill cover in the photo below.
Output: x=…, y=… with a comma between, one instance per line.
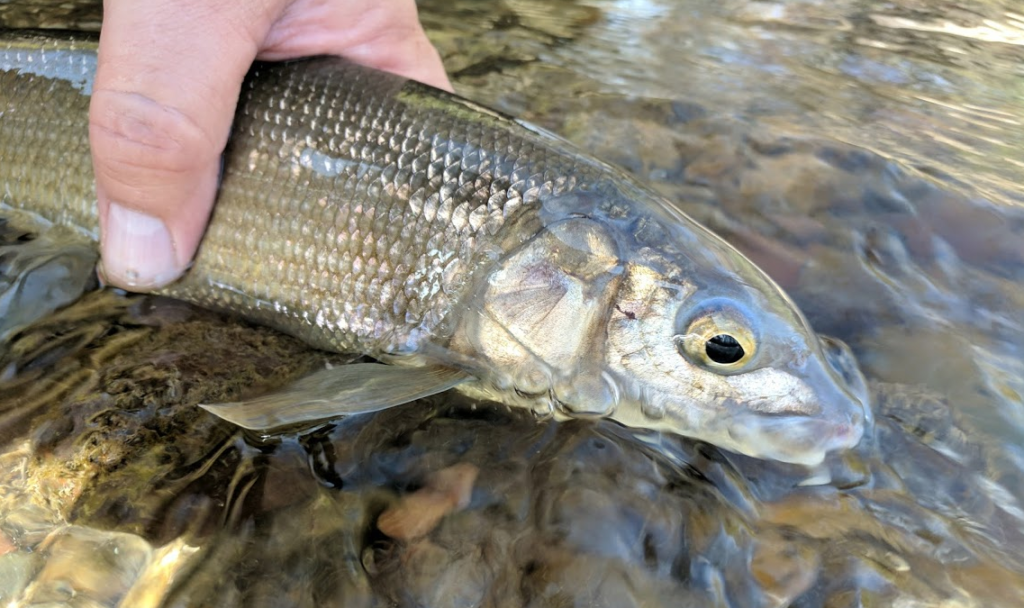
x=538, y=319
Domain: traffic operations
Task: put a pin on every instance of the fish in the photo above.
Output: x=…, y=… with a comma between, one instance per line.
x=456, y=247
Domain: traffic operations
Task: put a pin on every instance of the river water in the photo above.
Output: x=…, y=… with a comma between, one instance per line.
x=867, y=154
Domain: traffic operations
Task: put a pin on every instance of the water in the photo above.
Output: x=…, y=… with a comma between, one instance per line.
x=868, y=155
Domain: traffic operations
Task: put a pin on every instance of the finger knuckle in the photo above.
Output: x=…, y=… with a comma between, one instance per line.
x=135, y=138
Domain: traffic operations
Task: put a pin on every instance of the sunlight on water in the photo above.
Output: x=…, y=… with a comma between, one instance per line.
x=1010, y=32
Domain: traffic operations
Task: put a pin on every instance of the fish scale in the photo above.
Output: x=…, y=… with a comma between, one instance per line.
x=399, y=200
x=368, y=214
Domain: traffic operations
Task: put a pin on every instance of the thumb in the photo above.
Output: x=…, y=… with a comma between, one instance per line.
x=167, y=81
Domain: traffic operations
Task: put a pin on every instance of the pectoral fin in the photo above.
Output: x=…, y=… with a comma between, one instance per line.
x=359, y=388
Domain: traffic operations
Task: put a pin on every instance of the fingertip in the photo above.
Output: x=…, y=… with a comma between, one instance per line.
x=146, y=247
x=386, y=36
x=431, y=69
x=137, y=250
x=414, y=57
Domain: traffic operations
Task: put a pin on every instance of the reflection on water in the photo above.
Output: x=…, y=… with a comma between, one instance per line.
x=866, y=154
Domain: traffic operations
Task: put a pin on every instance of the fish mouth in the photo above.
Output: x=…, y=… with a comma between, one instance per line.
x=793, y=438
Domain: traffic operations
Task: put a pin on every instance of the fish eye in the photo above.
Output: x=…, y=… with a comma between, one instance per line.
x=720, y=340
x=723, y=349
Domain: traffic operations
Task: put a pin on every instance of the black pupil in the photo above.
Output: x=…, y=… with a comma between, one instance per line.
x=723, y=349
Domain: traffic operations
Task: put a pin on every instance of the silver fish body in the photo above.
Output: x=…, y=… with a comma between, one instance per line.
x=366, y=213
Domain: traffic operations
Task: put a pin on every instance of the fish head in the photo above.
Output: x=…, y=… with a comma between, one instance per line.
x=728, y=359
x=643, y=316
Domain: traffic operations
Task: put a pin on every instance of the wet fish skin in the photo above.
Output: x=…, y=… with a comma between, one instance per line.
x=365, y=213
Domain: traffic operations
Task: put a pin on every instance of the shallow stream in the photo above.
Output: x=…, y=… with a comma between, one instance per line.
x=867, y=154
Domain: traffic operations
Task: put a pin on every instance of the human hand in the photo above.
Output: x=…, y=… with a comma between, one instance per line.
x=168, y=79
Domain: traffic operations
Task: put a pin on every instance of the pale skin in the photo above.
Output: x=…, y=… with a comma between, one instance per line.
x=167, y=82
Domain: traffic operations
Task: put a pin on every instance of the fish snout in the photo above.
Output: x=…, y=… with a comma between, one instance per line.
x=831, y=411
